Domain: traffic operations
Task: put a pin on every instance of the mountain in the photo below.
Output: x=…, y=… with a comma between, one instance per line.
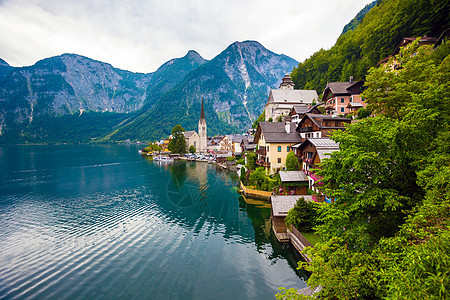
x=71, y=98
x=358, y=18
x=5, y=69
x=373, y=39
x=234, y=85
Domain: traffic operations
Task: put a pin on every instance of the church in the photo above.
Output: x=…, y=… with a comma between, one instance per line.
x=198, y=140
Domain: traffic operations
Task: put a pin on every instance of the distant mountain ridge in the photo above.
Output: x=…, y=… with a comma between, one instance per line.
x=36, y=101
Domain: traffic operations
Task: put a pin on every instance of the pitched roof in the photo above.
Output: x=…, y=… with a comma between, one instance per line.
x=340, y=88
x=275, y=132
x=282, y=204
x=288, y=96
x=323, y=143
x=292, y=176
x=318, y=120
x=202, y=112
x=189, y=134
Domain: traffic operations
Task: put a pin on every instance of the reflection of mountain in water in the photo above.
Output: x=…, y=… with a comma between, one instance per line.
x=199, y=194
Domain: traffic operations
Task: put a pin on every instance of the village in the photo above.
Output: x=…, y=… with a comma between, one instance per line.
x=278, y=159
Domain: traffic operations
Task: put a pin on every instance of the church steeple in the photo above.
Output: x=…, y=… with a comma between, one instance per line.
x=202, y=112
x=202, y=130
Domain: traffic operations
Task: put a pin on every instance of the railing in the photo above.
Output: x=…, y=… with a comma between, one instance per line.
x=261, y=152
x=260, y=162
x=305, y=129
x=300, y=236
x=255, y=193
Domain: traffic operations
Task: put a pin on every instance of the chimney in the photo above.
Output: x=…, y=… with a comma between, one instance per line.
x=288, y=126
x=351, y=79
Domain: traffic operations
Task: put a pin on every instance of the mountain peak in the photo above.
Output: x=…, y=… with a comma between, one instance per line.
x=4, y=63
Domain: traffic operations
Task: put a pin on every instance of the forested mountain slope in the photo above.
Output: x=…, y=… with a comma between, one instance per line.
x=375, y=38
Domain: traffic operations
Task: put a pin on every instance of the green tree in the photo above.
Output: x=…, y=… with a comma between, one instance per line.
x=261, y=118
x=192, y=149
x=363, y=113
x=302, y=215
x=251, y=160
x=386, y=235
x=178, y=142
x=292, y=163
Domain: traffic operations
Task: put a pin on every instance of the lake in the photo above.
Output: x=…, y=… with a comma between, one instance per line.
x=100, y=221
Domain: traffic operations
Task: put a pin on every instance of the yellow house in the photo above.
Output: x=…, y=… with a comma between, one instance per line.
x=274, y=141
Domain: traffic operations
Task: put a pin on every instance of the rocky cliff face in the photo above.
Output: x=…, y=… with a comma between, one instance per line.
x=234, y=85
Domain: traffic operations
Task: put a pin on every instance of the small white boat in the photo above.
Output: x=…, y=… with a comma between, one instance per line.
x=163, y=158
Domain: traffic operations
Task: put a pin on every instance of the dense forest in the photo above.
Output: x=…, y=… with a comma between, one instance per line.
x=387, y=235
x=374, y=39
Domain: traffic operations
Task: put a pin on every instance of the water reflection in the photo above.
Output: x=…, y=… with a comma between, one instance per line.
x=102, y=222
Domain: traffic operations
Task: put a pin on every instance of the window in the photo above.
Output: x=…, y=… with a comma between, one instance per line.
x=279, y=160
x=351, y=98
x=342, y=109
x=279, y=148
x=342, y=100
x=287, y=148
x=309, y=155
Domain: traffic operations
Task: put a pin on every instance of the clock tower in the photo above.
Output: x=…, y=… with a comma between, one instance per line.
x=202, y=145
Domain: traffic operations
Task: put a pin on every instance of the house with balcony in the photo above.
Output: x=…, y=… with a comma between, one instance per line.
x=299, y=111
x=247, y=144
x=320, y=126
x=342, y=98
x=281, y=101
x=311, y=153
x=274, y=141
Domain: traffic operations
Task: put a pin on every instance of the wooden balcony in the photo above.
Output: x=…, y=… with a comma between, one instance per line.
x=262, y=163
x=261, y=152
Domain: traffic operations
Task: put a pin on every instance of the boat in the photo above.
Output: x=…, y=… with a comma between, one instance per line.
x=163, y=158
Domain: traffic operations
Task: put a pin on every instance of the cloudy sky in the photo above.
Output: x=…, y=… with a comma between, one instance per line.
x=140, y=35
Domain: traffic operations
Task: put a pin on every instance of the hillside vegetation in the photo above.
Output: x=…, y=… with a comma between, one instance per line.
x=374, y=39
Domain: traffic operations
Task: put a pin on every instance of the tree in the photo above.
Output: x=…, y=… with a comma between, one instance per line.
x=292, y=163
x=192, y=149
x=386, y=235
x=251, y=160
x=178, y=142
x=363, y=113
x=302, y=215
x=261, y=118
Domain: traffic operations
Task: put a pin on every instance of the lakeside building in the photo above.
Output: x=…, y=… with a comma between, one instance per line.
x=281, y=101
x=311, y=153
x=274, y=141
x=320, y=126
x=342, y=98
x=192, y=139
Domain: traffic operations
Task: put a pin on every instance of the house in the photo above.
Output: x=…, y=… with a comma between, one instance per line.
x=237, y=140
x=341, y=97
x=293, y=183
x=298, y=112
x=213, y=144
x=280, y=208
x=192, y=139
x=312, y=152
x=281, y=101
x=247, y=144
x=226, y=144
x=274, y=141
x=319, y=126
x=425, y=40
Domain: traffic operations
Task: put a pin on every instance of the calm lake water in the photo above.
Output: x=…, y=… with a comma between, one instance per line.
x=85, y=222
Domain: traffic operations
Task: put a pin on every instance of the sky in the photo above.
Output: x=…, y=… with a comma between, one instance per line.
x=140, y=35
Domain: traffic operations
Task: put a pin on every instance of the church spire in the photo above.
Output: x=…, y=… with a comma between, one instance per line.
x=202, y=112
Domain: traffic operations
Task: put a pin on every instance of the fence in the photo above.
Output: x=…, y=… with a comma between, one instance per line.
x=255, y=193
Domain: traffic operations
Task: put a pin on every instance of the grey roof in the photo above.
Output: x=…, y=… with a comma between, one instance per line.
x=288, y=96
x=237, y=138
x=292, y=176
x=339, y=87
x=324, y=143
x=325, y=153
x=275, y=132
x=282, y=204
x=188, y=134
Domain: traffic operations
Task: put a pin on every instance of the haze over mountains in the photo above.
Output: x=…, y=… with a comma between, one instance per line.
x=71, y=98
